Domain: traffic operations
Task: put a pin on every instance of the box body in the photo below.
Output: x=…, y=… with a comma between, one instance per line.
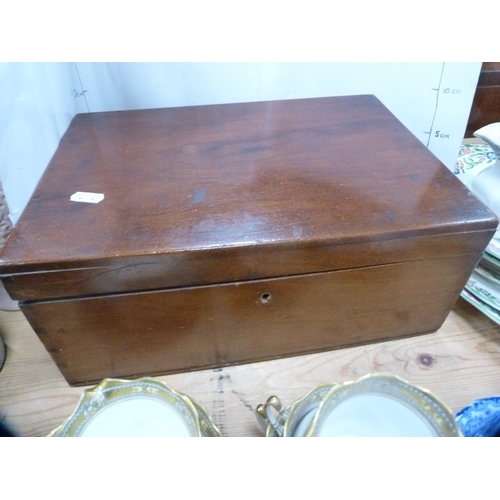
x=239, y=232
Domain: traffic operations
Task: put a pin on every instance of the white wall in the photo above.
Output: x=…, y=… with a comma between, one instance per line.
x=38, y=100
x=36, y=107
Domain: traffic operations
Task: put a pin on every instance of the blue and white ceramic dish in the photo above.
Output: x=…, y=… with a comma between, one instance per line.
x=481, y=418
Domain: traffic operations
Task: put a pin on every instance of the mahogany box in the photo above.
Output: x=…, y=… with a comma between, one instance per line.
x=238, y=232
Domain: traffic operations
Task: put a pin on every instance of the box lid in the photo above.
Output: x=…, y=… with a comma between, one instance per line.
x=228, y=192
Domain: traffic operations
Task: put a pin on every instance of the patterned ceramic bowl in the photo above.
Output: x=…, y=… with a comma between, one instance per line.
x=481, y=418
x=374, y=405
x=143, y=407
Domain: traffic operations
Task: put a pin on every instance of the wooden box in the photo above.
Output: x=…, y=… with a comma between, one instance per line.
x=239, y=232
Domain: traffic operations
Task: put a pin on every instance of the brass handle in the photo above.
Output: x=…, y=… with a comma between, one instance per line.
x=272, y=413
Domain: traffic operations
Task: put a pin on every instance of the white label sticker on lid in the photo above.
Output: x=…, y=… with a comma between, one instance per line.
x=87, y=197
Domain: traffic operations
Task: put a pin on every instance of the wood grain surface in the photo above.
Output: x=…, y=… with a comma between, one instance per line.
x=255, y=182
x=459, y=363
x=368, y=235
x=168, y=331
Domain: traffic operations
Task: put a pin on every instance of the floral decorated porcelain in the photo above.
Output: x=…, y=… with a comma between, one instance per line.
x=472, y=159
x=486, y=184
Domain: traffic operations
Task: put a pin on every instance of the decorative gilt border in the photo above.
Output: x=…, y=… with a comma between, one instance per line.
x=436, y=413
x=92, y=401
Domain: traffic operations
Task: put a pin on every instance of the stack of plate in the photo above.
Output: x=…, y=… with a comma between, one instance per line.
x=483, y=288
